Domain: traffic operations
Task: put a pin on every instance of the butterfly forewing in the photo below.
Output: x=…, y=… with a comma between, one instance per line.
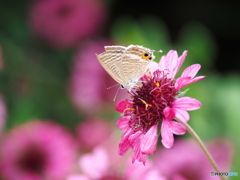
x=132, y=63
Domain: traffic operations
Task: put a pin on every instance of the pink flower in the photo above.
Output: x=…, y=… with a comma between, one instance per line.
x=98, y=165
x=89, y=81
x=157, y=102
x=186, y=160
x=36, y=151
x=63, y=23
x=3, y=114
x=100, y=130
x=138, y=171
x=95, y=165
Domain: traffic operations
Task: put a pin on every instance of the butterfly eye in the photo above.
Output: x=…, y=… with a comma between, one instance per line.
x=146, y=54
x=150, y=58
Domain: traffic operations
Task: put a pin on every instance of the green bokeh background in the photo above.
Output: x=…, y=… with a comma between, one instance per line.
x=35, y=77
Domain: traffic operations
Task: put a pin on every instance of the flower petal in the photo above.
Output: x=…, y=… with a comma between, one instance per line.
x=122, y=106
x=182, y=115
x=177, y=128
x=153, y=66
x=134, y=137
x=169, y=113
x=191, y=71
x=198, y=78
x=169, y=62
x=167, y=135
x=135, y=141
x=184, y=81
x=92, y=169
x=124, y=145
x=122, y=122
x=180, y=61
x=187, y=103
x=149, y=141
x=181, y=82
x=139, y=157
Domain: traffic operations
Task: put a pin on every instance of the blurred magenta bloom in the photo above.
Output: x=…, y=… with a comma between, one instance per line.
x=89, y=81
x=138, y=171
x=186, y=160
x=37, y=151
x=3, y=114
x=100, y=130
x=98, y=165
x=157, y=102
x=63, y=23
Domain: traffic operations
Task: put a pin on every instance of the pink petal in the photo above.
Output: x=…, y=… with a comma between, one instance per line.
x=180, y=61
x=135, y=141
x=177, y=128
x=149, y=141
x=89, y=166
x=181, y=82
x=167, y=135
x=122, y=122
x=184, y=81
x=169, y=113
x=169, y=62
x=182, y=115
x=196, y=79
x=124, y=145
x=191, y=71
x=153, y=66
x=186, y=103
x=139, y=157
x=122, y=106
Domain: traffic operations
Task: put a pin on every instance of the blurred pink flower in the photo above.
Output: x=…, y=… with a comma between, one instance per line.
x=186, y=160
x=100, y=131
x=37, y=151
x=63, y=23
x=157, y=101
x=89, y=81
x=138, y=171
x=98, y=165
x=3, y=114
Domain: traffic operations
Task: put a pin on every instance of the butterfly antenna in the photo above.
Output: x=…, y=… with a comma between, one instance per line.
x=112, y=86
x=157, y=51
x=116, y=94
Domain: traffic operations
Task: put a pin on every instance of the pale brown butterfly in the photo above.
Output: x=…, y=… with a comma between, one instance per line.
x=126, y=64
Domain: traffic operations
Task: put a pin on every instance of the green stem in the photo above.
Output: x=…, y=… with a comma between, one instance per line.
x=199, y=141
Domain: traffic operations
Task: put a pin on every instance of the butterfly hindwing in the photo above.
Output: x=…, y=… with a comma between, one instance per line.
x=133, y=65
x=110, y=60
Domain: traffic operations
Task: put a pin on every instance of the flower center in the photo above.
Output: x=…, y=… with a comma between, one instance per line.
x=32, y=160
x=64, y=11
x=149, y=101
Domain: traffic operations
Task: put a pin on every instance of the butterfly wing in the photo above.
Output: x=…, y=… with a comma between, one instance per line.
x=110, y=60
x=133, y=65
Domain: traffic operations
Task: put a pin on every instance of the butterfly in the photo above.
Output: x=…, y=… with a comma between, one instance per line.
x=126, y=64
